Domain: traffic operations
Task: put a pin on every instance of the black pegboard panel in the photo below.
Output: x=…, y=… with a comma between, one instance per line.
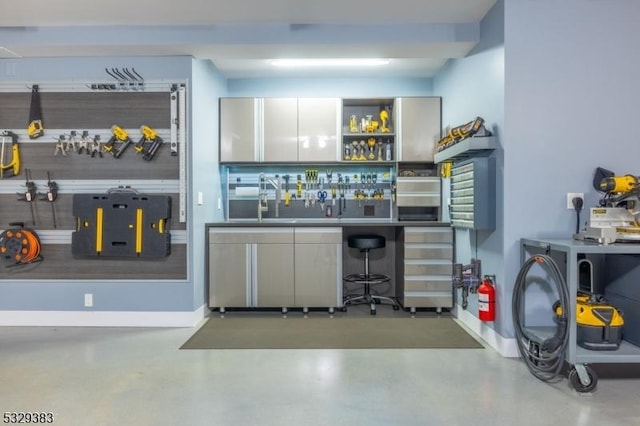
x=88, y=110
x=58, y=263
x=39, y=158
x=12, y=210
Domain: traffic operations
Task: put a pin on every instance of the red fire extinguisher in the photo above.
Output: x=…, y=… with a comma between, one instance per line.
x=486, y=300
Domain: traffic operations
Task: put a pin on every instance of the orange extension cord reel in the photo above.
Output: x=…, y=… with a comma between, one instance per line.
x=19, y=246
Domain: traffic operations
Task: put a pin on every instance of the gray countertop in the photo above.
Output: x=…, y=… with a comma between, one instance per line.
x=323, y=223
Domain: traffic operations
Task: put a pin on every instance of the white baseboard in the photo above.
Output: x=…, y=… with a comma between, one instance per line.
x=102, y=318
x=505, y=346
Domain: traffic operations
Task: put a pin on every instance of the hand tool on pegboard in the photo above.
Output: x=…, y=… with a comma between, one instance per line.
x=29, y=194
x=96, y=147
x=50, y=196
x=11, y=168
x=35, y=128
x=118, y=135
x=149, y=143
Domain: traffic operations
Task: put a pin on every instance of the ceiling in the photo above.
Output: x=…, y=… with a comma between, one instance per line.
x=240, y=37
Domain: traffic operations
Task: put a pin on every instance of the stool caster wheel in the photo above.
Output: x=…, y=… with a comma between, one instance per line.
x=396, y=307
x=372, y=312
x=343, y=309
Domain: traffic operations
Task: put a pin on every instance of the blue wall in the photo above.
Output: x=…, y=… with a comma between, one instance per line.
x=470, y=87
x=207, y=86
x=570, y=88
x=331, y=87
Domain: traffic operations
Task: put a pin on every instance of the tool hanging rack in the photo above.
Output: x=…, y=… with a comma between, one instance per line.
x=72, y=105
x=84, y=85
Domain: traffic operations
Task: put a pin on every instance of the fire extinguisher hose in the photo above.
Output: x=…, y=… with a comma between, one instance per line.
x=544, y=358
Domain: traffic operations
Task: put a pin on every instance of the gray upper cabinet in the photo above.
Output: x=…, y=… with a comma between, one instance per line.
x=318, y=129
x=419, y=125
x=239, y=140
x=280, y=130
x=300, y=129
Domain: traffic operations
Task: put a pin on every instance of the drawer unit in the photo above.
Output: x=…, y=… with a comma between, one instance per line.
x=418, y=192
x=473, y=188
x=428, y=284
x=428, y=251
x=427, y=268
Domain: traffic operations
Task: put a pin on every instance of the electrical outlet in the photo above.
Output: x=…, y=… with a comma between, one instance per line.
x=571, y=196
x=88, y=300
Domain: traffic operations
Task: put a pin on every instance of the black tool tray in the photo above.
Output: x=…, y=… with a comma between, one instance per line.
x=121, y=224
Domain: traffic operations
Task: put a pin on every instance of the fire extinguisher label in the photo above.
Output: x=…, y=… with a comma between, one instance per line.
x=483, y=307
x=483, y=297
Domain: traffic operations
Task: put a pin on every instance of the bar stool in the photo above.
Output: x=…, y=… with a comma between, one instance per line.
x=365, y=243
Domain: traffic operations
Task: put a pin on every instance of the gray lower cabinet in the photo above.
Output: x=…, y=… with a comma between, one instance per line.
x=318, y=267
x=250, y=268
x=275, y=267
x=427, y=268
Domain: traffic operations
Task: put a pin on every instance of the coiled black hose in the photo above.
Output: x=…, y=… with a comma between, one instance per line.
x=544, y=359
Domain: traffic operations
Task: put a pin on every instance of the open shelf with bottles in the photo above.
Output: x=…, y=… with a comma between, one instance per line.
x=368, y=130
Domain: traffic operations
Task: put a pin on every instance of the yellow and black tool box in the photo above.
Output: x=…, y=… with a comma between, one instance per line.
x=121, y=224
x=599, y=325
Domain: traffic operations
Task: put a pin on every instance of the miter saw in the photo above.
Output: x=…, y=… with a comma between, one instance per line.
x=617, y=218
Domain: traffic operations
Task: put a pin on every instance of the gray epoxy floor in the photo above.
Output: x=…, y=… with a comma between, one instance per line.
x=135, y=376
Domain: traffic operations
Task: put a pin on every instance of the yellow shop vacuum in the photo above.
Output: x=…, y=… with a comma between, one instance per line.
x=599, y=325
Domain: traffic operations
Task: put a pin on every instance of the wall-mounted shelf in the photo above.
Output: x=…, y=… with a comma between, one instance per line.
x=467, y=148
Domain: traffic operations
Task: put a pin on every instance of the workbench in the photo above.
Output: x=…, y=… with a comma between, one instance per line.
x=299, y=263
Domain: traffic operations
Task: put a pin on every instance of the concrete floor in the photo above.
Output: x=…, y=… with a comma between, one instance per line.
x=132, y=376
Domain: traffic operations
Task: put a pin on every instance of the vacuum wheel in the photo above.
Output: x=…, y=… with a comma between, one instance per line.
x=574, y=379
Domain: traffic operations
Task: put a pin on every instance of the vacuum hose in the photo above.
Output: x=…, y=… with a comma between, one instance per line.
x=544, y=359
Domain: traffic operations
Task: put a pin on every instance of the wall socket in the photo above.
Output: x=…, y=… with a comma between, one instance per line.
x=571, y=196
x=88, y=300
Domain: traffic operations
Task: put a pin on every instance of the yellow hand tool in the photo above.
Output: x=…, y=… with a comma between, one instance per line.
x=12, y=168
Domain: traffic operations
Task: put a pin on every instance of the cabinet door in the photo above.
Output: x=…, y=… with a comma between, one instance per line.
x=229, y=275
x=419, y=128
x=280, y=129
x=273, y=275
x=318, y=267
x=318, y=124
x=238, y=135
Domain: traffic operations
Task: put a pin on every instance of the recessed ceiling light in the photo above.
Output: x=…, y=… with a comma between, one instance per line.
x=329, y=62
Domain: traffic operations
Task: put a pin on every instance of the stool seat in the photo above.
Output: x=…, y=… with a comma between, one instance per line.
x=365, y=243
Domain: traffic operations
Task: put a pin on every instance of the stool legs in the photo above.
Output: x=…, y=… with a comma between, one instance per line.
x=367, y=280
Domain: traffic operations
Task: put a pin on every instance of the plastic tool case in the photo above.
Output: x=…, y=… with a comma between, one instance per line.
x=121, y=224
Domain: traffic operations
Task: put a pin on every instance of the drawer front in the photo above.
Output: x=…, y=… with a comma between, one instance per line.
x=251, y=236
x=426, y=235
x=318, y=235
x=445, y=269
x=428, y=284
x=435, y=301
x=418, y=200
x=428, y=184
x=428, y=252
